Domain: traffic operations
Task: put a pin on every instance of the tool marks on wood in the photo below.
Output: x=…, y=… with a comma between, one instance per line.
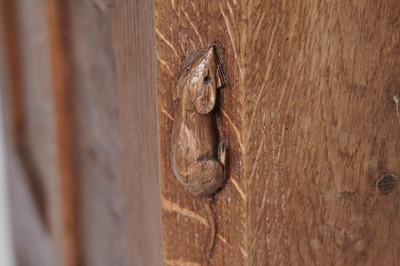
x=184, y=29
x=310, y=128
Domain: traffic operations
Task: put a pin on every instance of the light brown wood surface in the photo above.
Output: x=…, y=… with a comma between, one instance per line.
x=311, y=118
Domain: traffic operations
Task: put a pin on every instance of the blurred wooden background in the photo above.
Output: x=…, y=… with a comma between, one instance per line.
x=79, y=99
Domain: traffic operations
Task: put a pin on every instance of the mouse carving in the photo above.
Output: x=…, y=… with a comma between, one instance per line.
x=198, y=156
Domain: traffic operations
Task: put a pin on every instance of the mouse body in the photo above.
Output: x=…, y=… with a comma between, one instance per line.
x=198, y=157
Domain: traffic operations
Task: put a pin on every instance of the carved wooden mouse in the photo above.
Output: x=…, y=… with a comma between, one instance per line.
x=198, y=160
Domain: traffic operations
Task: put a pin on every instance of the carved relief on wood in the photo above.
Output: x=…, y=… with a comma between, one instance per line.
x=198, y=160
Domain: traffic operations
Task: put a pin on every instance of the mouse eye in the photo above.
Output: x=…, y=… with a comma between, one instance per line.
x=207, y=79
x=186, y=71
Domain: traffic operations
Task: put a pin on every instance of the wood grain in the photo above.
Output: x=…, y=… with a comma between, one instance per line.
x=311, y=117
x=132, y=24
x=97, y=137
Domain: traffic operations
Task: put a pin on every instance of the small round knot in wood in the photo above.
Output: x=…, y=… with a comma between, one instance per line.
x=387, y=183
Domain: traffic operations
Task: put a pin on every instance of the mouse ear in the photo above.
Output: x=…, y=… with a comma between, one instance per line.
x=220, y=79
x=219, y=75
x=206, y=101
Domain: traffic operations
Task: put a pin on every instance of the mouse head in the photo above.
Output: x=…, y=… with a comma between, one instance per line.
x=199, y=81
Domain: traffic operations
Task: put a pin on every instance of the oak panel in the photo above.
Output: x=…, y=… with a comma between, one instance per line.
x=311, y=118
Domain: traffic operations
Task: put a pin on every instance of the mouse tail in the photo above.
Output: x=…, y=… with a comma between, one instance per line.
x=210, y=208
